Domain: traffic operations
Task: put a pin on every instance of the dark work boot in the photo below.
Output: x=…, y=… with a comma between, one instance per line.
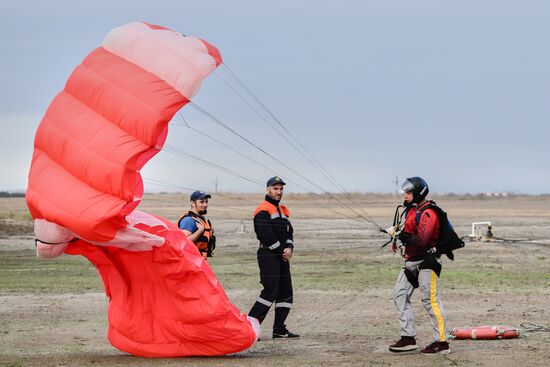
x=437, y=348
x=284, y=335
x=405, y=344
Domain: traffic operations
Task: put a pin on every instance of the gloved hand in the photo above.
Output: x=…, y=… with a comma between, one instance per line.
x=404, y=237
x=398, y=248
x=391, y=230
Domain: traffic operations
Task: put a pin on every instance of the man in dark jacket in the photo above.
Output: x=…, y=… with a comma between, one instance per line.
x=274, y=231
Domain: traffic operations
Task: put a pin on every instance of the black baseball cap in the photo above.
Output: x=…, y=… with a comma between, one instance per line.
x=198, y=195
x=275, y=181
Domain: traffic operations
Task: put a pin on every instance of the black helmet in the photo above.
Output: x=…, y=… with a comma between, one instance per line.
x=416, y=186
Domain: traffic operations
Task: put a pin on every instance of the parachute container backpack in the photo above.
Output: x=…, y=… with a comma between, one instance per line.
x=85, y=184
x=448, y=240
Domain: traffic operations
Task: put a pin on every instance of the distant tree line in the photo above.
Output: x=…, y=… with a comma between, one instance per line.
x=7, y=194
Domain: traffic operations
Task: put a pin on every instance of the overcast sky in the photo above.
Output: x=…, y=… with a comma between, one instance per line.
x=456, y=92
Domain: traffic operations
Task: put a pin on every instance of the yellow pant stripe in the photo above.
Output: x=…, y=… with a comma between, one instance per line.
x=435, y=308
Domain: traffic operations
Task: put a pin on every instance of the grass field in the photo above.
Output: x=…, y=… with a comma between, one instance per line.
x=53, y=313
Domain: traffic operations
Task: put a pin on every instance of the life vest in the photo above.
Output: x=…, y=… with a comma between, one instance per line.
x=448, y=240
x=207, y=242
x=485, y=332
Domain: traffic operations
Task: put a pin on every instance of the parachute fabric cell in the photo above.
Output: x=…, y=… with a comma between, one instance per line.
x=85, y=182
x=176, y=297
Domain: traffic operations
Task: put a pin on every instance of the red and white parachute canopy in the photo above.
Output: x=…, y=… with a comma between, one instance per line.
x=85, y=184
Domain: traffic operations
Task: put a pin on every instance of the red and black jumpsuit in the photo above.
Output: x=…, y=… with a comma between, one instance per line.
x=424, y=235
x=422, y=224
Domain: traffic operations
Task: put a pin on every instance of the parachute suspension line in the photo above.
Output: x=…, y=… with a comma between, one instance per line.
x=167, y=184
x=276, y=130
x=302, y=149
x=189, y=156
x=190, y=189
x=184, y=123
x=219, y=122
x=181, y=121
x=228, y=85
x=180, y=153
x=157, y=182
x=187, y=125
x=209, y=115
x=531, y=241
x=154, y=181
x=255, y=110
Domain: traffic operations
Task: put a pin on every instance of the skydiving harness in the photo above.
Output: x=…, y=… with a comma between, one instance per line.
x=447, y=240
x=207, y=242
x=396, y=227
x=430, y=262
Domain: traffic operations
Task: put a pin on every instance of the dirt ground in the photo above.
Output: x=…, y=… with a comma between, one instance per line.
x=343, y=284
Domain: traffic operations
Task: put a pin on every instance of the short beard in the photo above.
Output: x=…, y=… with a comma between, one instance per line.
x=203, y=212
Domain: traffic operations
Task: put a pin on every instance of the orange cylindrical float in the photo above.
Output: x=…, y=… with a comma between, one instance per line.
x=486, y=332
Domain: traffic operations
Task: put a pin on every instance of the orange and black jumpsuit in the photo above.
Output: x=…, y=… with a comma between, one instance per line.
x=275, y=233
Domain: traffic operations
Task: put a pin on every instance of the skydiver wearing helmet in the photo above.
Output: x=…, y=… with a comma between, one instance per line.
x=419, y=237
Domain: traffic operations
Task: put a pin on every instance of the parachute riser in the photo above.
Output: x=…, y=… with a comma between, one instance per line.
x=396, y=226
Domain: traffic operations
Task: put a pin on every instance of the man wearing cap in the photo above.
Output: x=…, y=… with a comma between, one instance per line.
x=196, y=226
x=274, y=231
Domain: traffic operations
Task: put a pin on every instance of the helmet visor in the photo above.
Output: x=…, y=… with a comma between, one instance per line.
x=407, y=186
